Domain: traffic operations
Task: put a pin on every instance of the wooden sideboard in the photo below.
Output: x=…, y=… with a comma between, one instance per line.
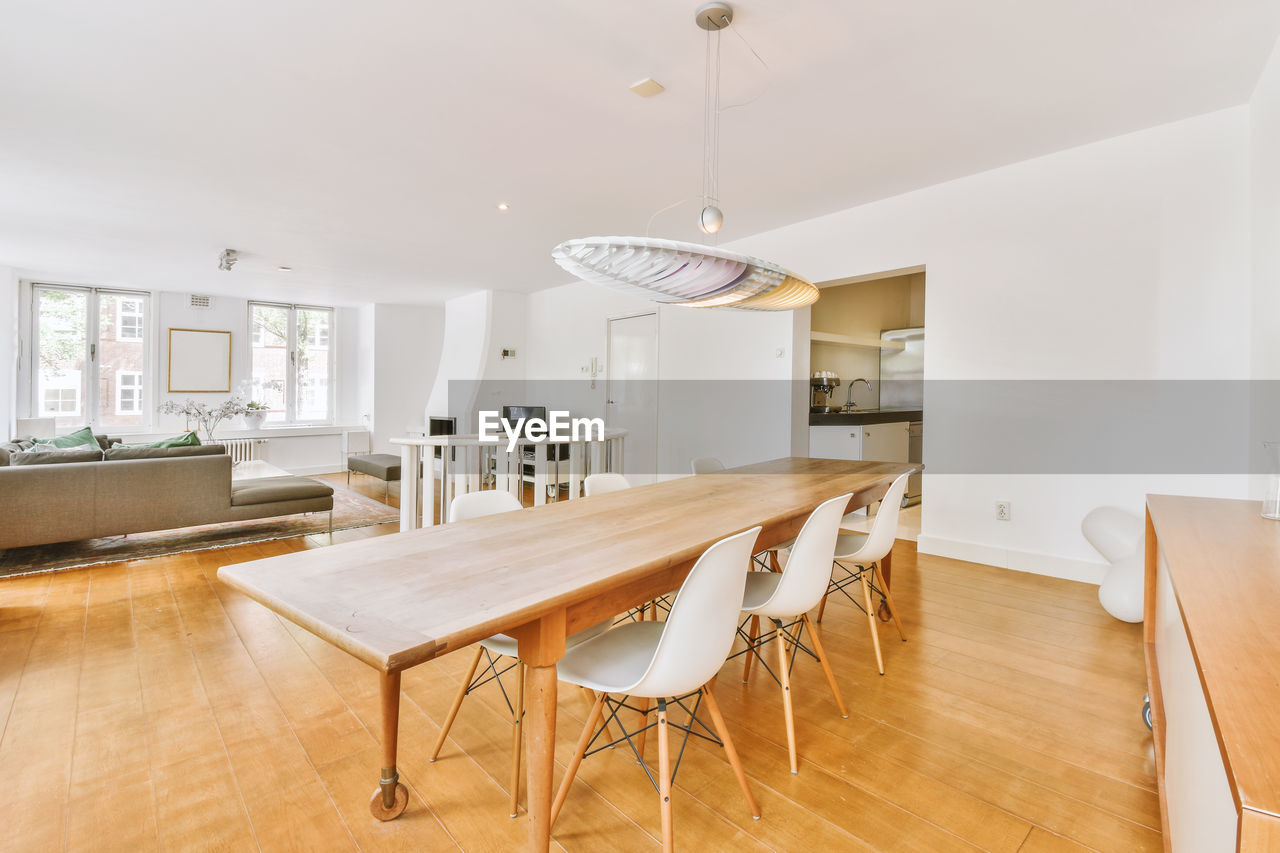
x=1212, y=637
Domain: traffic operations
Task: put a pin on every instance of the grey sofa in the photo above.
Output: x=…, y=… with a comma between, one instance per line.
x=43, y=503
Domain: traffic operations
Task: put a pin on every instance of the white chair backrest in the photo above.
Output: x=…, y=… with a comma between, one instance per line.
x=706, y=465
x=602, y=484
x=477, y=504
x=702, y=624
x=808, y=570
x=884, y=527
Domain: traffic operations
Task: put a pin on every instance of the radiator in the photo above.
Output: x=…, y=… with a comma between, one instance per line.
x=242, y=449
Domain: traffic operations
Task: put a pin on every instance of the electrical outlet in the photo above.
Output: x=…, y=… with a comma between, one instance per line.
x=1004, y=511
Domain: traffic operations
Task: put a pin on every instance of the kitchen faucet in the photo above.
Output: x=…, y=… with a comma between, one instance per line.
x=848, y=403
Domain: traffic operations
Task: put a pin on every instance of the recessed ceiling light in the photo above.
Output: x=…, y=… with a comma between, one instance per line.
x=502, y=205
x=284, y=269
x=648, y=87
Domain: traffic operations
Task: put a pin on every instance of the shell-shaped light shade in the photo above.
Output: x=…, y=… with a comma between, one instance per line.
x=684, y=273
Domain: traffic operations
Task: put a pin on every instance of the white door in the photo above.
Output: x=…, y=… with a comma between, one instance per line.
x=632, y=392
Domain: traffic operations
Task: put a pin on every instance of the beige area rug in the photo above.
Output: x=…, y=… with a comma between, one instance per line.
x=349, y=510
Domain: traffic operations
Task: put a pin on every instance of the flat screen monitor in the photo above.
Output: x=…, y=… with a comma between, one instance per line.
x=512, y=414
x=515, y=413
x=442, y=426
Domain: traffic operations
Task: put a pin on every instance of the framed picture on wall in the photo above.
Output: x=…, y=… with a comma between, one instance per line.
x=199, y=361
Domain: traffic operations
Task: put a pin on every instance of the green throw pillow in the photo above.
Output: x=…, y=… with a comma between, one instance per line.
x=187, y=439
x=75, y=439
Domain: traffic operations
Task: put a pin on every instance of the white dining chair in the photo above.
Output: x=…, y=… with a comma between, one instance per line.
x=857, y=560
x=706, y=465
x=785, y=598
x=499, y=646
x=602, y=484
x=670, y=662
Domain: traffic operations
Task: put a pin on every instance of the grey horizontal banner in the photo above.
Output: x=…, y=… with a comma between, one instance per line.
x=968, y=426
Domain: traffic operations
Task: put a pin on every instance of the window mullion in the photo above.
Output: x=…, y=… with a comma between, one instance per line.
x=93, y=358
x=291, y=370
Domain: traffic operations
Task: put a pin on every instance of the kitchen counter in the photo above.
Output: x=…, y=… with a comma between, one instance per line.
x=865, y=416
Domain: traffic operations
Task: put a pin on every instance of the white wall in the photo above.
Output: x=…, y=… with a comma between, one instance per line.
x=1127, y=258
x=1265, y=204
x=739, y=423
x=406, y=346
x=8, y=349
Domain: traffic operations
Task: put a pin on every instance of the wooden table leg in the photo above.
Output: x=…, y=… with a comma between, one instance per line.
x=541, y=645
x=391, y=797
x=886, y=568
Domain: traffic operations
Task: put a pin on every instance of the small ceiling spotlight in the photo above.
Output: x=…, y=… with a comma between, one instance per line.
x=502, y=205
x=227, y=259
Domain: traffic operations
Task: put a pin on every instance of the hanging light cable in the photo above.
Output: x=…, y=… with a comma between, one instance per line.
x=688, y=273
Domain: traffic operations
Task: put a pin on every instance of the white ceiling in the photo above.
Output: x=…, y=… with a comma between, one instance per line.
x=367, y=144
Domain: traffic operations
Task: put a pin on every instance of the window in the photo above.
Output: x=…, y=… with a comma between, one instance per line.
x=292, y=361
x=128, y=392
x=129, y=320
x=89, y=357
x=60, y=393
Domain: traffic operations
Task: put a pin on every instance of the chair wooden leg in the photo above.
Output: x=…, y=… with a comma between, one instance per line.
x=578, y=751
x=893, y=608
x=457, y=703
x=653, y=610
x=751, y=655
x=722, y=732
x=644, y=721
x=871, y=620
x=664, y=779
x=773, y=561
x=785, y=678
x=517, y=739
x=822, y=608
x=826, y=665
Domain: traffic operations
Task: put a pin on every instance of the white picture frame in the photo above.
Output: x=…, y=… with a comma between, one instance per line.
x=199, y=361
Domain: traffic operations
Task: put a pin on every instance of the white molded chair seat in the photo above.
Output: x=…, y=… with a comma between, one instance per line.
x=602, y=484
x=504, y=644
x=464, y=507
x=667, y=660
x=864, y=552
x=706, y=465
x=615, y=661
x=787, y=597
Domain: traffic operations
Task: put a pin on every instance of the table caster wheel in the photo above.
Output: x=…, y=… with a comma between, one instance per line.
x=1146, y=711
x=882, y=613
x=381, y=812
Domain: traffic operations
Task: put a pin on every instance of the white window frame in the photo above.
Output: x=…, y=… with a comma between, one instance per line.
x=31, y=403
x=43, y=390
x=291, y=390
x=121, y=314
x=139, y=400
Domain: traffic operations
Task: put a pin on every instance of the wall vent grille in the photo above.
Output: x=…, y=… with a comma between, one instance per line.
x=198, y=301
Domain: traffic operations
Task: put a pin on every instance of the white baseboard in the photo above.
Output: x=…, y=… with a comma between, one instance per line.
x=1019, y=561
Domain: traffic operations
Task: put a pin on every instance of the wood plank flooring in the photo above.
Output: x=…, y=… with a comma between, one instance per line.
x=146, y=706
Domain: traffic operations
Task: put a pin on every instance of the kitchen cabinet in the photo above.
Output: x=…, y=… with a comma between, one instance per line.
x=885, y=442
x=869, y=442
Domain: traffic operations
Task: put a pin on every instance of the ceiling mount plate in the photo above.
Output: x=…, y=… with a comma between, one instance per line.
x=714, y=16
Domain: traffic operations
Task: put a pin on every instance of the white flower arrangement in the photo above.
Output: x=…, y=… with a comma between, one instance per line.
x=206, y=417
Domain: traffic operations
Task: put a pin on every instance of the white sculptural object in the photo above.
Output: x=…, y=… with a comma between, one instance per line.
x=1117, y=535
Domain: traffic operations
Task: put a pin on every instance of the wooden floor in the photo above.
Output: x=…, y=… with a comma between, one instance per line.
x=144, y=705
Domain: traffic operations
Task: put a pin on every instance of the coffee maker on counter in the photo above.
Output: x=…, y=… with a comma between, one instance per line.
x=821, y=387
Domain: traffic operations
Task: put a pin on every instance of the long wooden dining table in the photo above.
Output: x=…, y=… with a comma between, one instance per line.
x=538, y=574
